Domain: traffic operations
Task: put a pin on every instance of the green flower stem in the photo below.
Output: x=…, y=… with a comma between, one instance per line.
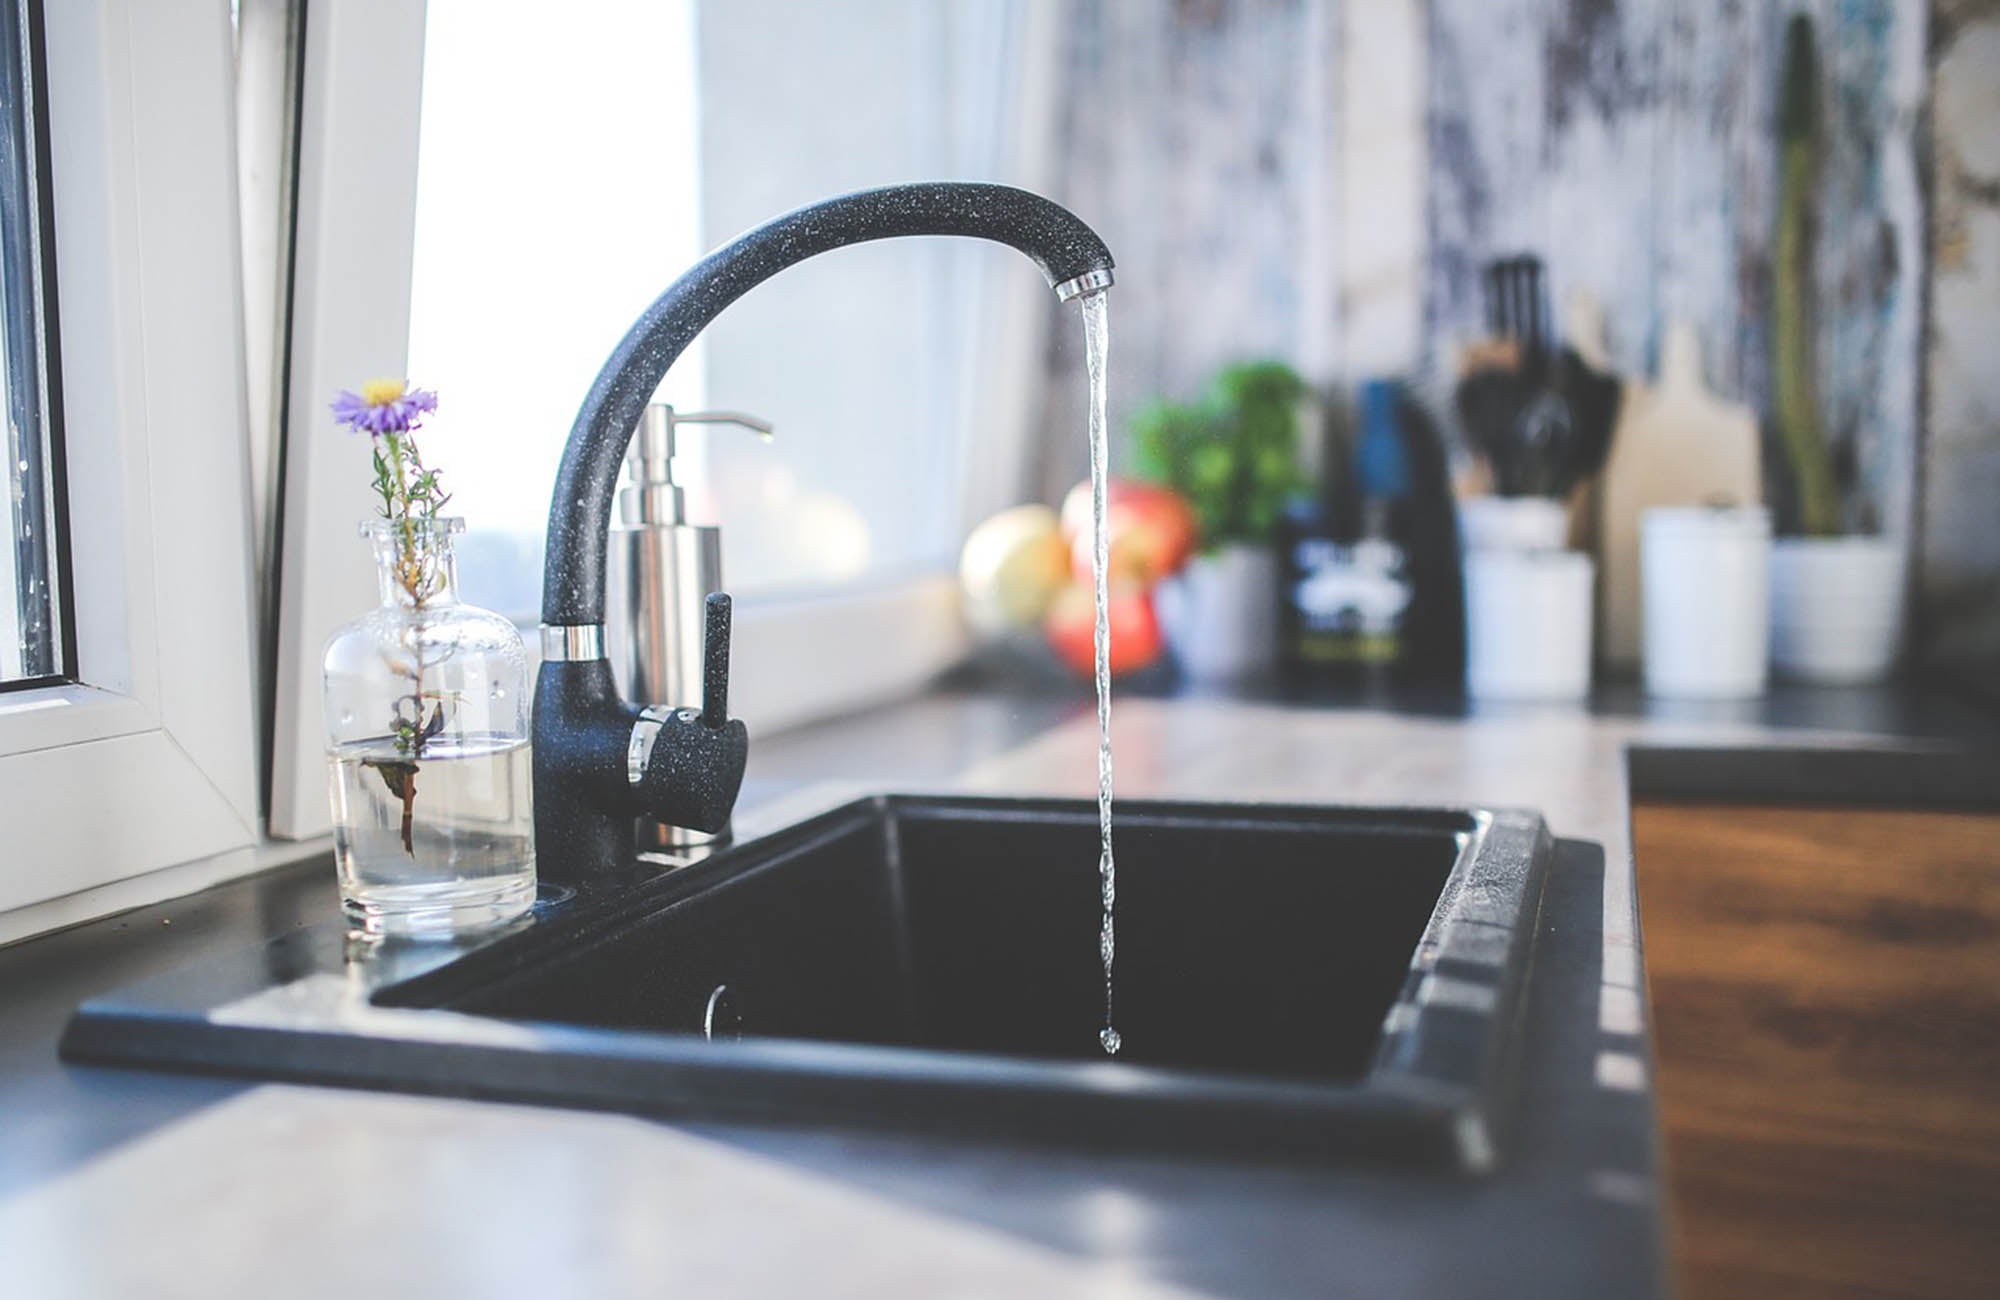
x=410, y=495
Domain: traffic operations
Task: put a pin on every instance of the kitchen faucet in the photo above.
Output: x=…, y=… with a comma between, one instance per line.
x=599, y=761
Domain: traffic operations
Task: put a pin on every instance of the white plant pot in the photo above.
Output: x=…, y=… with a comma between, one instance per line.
x=1220, y=613
x=1836, y=608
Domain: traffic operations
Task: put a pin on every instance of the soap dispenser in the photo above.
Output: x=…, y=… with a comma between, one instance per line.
x=660, y=571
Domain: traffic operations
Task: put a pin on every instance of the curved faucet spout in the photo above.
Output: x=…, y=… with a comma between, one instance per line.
x=1068, y=252
x=599, y=762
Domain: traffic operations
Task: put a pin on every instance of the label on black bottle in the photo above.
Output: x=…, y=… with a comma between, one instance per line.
x=1348, y=599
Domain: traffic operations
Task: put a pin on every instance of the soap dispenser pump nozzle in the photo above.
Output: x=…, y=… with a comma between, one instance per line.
x=653, y=496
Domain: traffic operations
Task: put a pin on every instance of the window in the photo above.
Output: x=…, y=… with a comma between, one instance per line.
x=34, y=619
x=546, y=222
x=567, y=175
x=532, y=183
x=128, y=769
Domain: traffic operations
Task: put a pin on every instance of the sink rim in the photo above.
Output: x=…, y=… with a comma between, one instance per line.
x=1439, y=1086
x=1448, y=1044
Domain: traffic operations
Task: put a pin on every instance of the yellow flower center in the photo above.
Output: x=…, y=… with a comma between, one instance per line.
x=381, y=392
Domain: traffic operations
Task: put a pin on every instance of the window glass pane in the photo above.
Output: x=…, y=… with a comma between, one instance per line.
x=31, y=608
x=556, y=197
x=569, y=171
x=856, y=356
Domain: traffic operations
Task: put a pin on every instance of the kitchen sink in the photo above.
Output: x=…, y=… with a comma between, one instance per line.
x=1300, y=981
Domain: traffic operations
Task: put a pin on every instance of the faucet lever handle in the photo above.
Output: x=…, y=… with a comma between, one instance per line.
x=715, y=660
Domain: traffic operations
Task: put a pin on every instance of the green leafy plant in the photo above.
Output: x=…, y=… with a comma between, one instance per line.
x=1234, y=455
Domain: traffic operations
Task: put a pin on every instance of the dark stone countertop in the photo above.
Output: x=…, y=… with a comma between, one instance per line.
x=116, y=1182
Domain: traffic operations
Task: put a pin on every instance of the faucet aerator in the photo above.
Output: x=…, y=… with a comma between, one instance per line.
x=1093, y=281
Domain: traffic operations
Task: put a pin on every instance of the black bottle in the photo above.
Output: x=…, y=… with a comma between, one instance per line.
x=1369, y=579
x=1312, y=536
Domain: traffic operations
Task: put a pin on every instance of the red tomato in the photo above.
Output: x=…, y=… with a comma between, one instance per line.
x=1135, y=632
x=1151, y=529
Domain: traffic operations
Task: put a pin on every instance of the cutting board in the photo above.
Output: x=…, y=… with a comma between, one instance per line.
x=1675, y=444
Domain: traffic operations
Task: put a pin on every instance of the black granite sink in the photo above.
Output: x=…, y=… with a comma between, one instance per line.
x=1304, y=981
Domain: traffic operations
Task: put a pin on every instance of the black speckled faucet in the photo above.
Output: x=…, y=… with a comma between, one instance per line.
x=600, y=762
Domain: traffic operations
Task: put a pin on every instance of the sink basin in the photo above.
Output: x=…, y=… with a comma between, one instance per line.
x=1307, y=981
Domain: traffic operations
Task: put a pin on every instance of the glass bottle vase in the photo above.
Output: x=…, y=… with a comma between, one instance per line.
x=427, y=719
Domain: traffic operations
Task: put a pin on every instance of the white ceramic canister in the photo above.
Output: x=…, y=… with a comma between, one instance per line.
x=1704, y=575
x=1836, y=608
x=1527, y=624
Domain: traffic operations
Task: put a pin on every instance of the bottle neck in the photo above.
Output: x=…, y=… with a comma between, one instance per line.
x=416, y=565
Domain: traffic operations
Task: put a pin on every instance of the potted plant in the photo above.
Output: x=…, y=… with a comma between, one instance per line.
x=1234, y=457
x=1836, y=592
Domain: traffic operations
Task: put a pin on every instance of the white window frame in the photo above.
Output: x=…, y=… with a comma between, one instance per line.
x=142, y=773
x=796, y=659
x=355, y=230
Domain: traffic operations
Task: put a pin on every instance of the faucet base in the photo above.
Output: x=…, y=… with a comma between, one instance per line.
x=585, y=797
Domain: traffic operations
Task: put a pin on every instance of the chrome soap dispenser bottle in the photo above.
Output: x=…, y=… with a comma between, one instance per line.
x=660, y=571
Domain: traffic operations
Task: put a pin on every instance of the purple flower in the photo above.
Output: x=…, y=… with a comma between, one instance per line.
x=384, y=406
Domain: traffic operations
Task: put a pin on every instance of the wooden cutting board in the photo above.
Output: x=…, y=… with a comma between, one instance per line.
x=1675, y=444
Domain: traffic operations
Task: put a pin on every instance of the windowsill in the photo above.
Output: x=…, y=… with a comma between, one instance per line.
x=49, y=717
x=764, y=601
x=878, y=640
x=180, y=880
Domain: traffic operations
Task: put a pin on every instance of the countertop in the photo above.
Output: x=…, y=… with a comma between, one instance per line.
x=118, y=1183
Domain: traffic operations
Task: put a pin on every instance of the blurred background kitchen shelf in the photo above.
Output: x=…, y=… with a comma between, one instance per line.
x=1363, y=191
